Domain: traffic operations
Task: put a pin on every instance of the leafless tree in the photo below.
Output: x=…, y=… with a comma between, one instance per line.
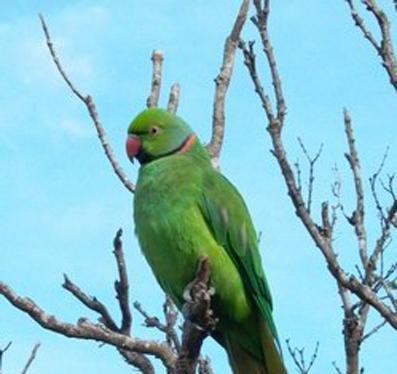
x=368, y=286
x=371, y=288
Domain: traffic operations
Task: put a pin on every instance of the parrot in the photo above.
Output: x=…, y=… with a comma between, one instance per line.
x=184, y=210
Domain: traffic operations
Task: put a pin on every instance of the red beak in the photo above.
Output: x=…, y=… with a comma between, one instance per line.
x=132, y=146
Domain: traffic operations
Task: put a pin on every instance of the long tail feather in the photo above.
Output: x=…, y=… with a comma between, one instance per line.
x=265, y=360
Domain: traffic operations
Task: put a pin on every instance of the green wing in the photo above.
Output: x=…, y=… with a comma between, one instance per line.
x=228, y=218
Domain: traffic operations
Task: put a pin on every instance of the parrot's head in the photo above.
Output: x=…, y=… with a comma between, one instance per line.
x=156, y=133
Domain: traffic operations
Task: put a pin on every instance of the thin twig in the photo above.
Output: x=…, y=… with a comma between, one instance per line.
x=260, y=21
x=90, y=105
x=31, y=358
x=374, y=330
x=250, y=63
x=339, y=371
x=90, y=302
x=2, y=351
x=312, y=162
x=298, y=357
x=359, y=21
x=384, y=48
x=171, y=317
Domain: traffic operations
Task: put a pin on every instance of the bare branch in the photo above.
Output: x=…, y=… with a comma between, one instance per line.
x=358, y=214
x=176, y=357
x=157, y=60
x=92, y=303
x=138, y=360
x=133, y=358
x=31, y=358
x=250, y=63
x=122, y=285
x=361, y=25
x=173, y=100
x=222, y=83
x=89, y=103
x=298, y=355
x=171, y=317
x=339, y=371
x=260, y=21
x=385, y=47
x=84, y=329
x=199, y=318
x=374, y=330
x=320, y=235
x=2, y=351
x=312, y=162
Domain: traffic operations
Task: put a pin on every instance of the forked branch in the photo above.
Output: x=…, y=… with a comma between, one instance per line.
x=177, y=358
x=384, y=47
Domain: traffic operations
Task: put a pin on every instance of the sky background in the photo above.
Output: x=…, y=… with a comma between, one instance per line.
x=60, y=203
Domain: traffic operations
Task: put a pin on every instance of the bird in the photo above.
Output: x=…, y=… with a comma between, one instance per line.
x=184, y=210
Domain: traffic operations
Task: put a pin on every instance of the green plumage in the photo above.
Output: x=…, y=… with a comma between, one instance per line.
x=184, y=210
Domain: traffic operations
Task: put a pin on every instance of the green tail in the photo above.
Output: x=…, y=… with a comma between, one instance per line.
x=256, y=354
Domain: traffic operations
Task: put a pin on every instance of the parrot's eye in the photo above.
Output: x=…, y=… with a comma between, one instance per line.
x=153, y=130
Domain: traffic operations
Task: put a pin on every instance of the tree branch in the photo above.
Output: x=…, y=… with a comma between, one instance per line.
x=173, y=100
x=176, y=357
x=384, y=48
x=2, y=351
x=31, y=358
x=260, y=21
x=199, y=318
x=90, y=105
x=157, y=60
x=298, y=356
x=357, y=219
x=84, y=329
x=121, y=286
x=222, y=83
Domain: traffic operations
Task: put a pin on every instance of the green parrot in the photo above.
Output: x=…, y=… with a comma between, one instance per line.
x=184, y=210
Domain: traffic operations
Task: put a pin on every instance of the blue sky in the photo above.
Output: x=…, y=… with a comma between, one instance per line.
x=61, y=204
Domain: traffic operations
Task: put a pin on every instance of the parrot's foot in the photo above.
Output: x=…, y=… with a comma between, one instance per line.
x=197, y=296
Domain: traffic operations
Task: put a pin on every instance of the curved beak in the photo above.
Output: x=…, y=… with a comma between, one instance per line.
x=132, y=146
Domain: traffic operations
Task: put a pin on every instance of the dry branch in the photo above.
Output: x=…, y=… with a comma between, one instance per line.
x=168, y=327
x=173, y=100
x=312, y=162
x=2, y=352
x=122, y=286
x=357, y=219
x=384, y=47
x=31, y=358
x=157, y=63
x=222, y=83
x=298, y=356
x=322, y=233
x=90, y=105
x=199, y=319
x=177, y=358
